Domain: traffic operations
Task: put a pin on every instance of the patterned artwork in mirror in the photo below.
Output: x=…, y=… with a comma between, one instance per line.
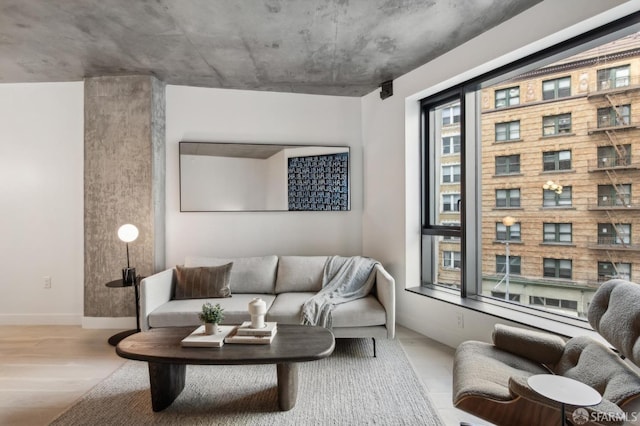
x=319, y=182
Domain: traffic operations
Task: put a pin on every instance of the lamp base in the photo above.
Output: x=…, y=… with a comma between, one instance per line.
x=128, y=276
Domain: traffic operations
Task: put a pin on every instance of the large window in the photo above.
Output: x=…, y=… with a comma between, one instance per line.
x=507, y=131
x=556, y=124
x=614, y=233
x=556, y=88
x=507, y=97
x=507, y=164
x=557, y=198
x=557, y=268
x=556, y=160
x=614, y=195
x=611, y=78
x=451, y=173
x=614, y=116
x=608, y=271
x=507, y=233
x=451, y=115
x=570, y=216
x=560, y=233
x=451, y=145
x=614, y=156
x=508, y=198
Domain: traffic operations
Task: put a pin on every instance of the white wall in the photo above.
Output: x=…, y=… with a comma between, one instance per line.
x=41, y=202
x=224, y=183
x=391, y=222
x=199, y=114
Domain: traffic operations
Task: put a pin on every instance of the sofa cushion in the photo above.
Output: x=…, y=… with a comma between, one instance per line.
x=300, y=273
x=248, y=275
x=202, y=282
x=287, y=309
x=182, y=313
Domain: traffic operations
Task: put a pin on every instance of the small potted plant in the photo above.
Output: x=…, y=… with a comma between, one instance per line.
x=211, y=316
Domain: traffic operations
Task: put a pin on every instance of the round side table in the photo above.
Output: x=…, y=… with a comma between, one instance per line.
x=565, y=391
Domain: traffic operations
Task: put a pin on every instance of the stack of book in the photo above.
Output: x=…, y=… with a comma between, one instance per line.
x=256, y=336
x=198, y=339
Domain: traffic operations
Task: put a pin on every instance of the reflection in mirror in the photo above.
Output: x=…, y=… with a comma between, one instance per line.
x=261, y=177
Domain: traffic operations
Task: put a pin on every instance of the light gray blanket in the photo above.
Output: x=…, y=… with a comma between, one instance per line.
x=344, y=279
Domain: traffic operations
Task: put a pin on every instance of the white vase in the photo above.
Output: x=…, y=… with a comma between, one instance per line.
x=211, y=328
x=257, y=309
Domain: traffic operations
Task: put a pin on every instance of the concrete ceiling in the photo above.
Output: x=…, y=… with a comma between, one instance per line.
x=333, y=47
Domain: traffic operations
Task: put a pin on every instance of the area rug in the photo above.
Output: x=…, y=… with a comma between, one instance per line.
x=351, y=387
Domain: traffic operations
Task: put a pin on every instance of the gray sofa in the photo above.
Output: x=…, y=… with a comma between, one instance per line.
x=284, y=283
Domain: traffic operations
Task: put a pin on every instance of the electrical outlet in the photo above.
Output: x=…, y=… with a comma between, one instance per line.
x=460, y=320
x=47, y=282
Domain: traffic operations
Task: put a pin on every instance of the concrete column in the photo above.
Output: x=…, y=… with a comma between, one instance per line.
x=124, y=175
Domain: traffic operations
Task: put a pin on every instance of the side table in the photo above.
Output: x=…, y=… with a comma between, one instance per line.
x=116, y=338
x=565, y=391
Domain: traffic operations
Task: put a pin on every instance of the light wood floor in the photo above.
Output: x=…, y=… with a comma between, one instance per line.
x=44, y=369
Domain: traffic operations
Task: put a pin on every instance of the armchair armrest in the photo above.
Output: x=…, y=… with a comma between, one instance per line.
x=155, y=290
x=386, y=293
x=537, y=346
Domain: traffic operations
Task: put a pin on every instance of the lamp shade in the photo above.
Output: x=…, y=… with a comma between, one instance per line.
x=128, y=233
x=508, y=221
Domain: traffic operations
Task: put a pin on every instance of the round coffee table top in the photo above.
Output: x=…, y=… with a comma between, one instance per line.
x=564, y=390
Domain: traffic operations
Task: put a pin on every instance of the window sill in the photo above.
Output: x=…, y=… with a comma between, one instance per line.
x=507, y=175
x=507, y=141
x=558, y=135
x=550, y=243
x=548, y=172
x=538, y=319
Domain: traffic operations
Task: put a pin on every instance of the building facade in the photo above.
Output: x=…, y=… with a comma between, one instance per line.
x=561, y=156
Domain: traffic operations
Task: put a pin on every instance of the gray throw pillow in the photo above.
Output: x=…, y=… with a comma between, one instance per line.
x=203, y=282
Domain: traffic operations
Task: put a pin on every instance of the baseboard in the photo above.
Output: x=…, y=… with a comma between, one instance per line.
x=40, y=319
x=109, y=322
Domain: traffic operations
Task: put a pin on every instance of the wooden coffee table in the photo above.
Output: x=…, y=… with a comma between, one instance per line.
x=168, y=360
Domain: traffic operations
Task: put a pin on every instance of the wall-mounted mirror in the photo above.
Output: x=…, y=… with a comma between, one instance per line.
x=263, y=177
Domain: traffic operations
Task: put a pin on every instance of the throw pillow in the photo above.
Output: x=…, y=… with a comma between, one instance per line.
x=203, y=282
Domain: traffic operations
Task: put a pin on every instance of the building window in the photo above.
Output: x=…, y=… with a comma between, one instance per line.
x=613, y=234
x=614, y=116
x=507, y=233
x=608, y=271
x=503, y=295
x=451, y=173
x=451, y=115
x=507, y=164
x=507, y=97
x=501, y=264
x=556, y=124
x=508, y=131
x=553, y=302
x=451, y=202
x=451, y=259
x=614, y=195
x=451, y=145
x=610, y=78
x=556, y=160
x=509, y=198
x=557, y=268
x=557, y=233
x=557, y=88
x=553, y=199
x=614, y=156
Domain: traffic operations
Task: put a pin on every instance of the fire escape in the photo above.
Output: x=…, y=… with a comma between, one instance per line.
x=615, y=197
